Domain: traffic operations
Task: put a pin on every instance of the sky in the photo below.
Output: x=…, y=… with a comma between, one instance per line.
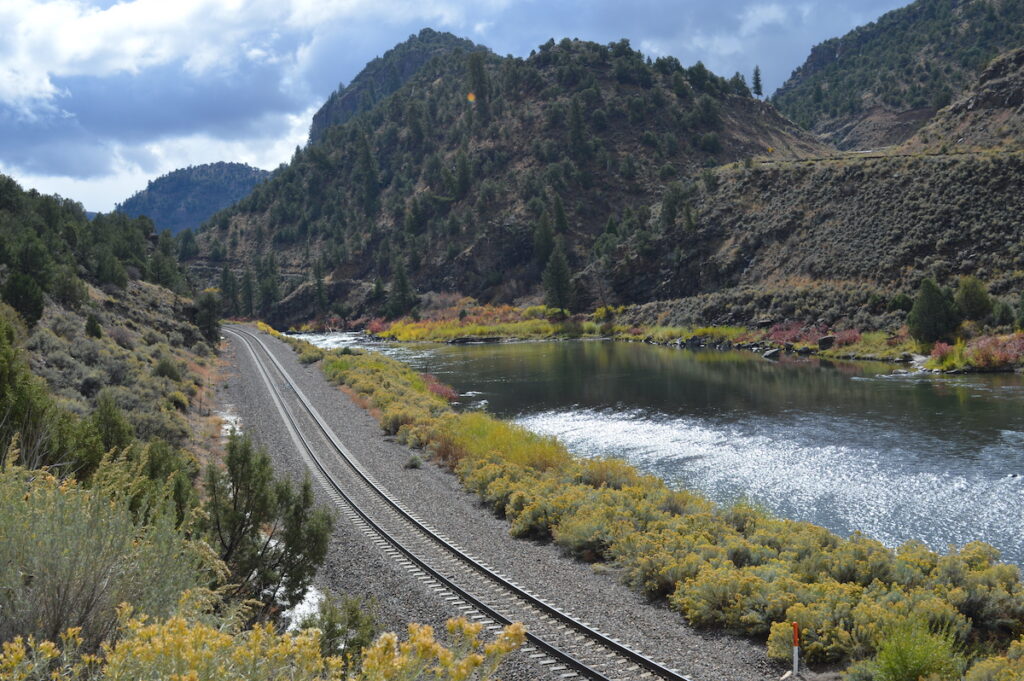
x=97, y=98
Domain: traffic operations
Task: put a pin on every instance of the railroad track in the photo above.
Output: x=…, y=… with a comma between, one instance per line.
x=562, y=644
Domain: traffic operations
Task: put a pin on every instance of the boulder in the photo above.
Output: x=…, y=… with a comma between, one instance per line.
x=826, y=342
x=772, y=354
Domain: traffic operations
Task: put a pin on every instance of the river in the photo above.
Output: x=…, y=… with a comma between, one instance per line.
x=847, y=445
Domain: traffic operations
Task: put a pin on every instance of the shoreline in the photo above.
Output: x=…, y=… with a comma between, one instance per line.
x=762, y=349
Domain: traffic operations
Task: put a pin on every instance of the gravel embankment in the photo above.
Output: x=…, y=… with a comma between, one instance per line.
x=355, y=566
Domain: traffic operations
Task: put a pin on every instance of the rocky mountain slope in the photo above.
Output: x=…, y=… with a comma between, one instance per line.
x=383, y=76
x=466, y=176
x=989, y=115
x=878, y=84
x=185, y=198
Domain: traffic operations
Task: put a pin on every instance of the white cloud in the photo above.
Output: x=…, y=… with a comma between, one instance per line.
x=755, y=17
x=718, y=45
x=47, y=39
x=134, y=166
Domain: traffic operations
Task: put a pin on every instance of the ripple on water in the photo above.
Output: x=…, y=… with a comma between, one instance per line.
x=880, y=491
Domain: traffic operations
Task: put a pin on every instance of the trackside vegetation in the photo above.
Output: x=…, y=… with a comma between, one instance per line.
x=735, y=568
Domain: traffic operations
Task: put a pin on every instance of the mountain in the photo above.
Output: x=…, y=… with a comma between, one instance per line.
x=988, y=115
x=384, y=75
x=465, y=178
x=184, y=198
x=878, y=84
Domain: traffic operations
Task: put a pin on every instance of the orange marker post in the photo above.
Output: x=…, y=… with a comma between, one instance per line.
x=796, y=648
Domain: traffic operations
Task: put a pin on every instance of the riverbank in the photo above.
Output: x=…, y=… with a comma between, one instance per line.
x=480, y=324
x=732, y=568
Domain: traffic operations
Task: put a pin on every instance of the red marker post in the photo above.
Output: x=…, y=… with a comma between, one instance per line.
x=796, y=648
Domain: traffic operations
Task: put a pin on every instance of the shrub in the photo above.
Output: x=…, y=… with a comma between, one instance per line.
x=122, y=337
x=167, y=368
x=70, y=556
x=243, y=501
x=346, y=625
x=178, y=400
x=911, y=651
x=440, y=389
x=847, y=337
x=310, y=354
x=972, y=299
x=92, y=326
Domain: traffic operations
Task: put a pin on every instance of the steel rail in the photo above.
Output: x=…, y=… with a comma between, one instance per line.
x=352, y=462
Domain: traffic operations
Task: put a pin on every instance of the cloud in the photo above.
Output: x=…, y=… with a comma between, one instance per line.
x=98, y=89
x=756, y=17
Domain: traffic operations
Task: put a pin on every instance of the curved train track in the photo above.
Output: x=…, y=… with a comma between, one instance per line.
x=565, y=646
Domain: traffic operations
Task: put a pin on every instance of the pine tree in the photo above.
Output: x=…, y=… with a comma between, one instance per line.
x=246, y=294
x=758, y=90
x=402, y=298
x=319, y=295
x=577, y=134
x=933, y=316
x=23, y=294
x=462, y=176
x=543, y=239
x=228, y=292
x=208, y=316
x=556, y=279
x=561, y=222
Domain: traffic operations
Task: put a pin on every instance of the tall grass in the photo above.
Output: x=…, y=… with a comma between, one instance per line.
x=476, y=434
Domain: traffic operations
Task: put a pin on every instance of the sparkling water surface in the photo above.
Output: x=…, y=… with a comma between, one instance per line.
x=851, y=446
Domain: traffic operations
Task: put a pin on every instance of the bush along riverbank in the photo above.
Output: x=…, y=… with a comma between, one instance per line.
x=736, y=568
x=970, y=351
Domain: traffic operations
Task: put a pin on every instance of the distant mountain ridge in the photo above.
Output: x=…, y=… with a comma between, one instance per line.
x=383, y=76
x=185, y=198
x=878, y=84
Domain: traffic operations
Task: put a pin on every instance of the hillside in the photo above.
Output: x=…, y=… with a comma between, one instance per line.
x=988, y=115
x=98, y=308
x=880, y=83
x=185, y=198
x=384, y=75
x=470, y=193
x=830, y=240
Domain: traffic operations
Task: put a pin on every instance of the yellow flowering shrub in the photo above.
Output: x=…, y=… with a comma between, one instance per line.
x=180, y=649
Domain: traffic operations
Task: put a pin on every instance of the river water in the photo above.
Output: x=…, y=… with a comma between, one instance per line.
x=847, y=445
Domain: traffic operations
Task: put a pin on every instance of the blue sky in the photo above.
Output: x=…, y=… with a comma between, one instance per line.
x=96, y=98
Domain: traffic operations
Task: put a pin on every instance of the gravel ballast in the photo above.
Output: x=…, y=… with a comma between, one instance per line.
x=355, y=566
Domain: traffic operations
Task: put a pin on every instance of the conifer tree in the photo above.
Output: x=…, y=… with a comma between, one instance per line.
x=757, y=87
x=561, y=222
x=543, y=239
x=228, y=292
x=246, y=294
x=556, y=279
x=401, y=298
x=933, y=316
